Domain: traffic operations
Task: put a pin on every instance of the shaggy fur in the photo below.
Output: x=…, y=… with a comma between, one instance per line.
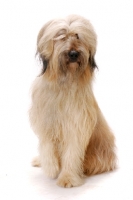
x=74, y=138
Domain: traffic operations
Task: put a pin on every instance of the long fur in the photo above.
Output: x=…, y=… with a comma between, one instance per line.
x=74, y=138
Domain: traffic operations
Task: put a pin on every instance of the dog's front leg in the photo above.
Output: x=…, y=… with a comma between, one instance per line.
x=49, y=159
x=72, y=164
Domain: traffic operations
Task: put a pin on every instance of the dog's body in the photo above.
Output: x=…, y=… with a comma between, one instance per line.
x=74, y=138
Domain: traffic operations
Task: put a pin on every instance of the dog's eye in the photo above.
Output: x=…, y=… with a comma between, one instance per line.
x=77, y=36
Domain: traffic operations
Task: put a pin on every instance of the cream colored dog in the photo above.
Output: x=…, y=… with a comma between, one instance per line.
x=74, y=138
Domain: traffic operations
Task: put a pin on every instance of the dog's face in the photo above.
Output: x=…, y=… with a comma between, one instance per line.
x=67, y=47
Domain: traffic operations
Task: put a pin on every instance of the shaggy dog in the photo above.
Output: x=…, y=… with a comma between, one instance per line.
x=74, y=138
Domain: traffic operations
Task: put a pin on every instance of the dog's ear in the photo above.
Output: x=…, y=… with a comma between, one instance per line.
x=44, y=65
x=43, y=29
x=92, y=62
x=39, y=48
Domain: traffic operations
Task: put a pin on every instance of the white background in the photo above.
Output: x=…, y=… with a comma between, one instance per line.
x=20, y=22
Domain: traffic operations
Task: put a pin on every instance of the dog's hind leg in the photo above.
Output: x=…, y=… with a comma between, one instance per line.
x=100, y=155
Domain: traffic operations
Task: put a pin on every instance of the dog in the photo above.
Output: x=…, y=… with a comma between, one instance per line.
x=75, y=140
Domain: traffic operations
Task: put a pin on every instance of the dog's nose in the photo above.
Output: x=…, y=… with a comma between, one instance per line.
x=73, y=55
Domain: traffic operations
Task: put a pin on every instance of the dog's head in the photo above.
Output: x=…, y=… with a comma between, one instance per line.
x=67, y=46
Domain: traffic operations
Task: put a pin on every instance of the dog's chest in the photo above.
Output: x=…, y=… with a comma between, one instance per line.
x=65, y=108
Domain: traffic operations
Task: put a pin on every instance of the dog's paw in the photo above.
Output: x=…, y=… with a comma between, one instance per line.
x=68, y=181
x=36, y=162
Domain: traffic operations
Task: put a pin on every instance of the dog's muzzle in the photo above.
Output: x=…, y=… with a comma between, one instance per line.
x=73, y=55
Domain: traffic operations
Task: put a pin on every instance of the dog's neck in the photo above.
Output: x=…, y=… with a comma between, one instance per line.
x=68, y=84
